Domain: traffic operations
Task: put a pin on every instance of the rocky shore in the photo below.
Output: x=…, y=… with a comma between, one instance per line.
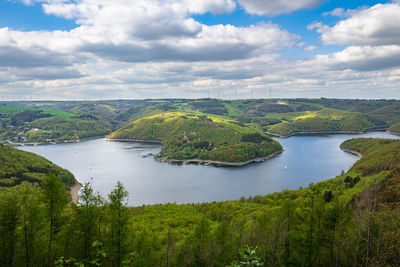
x=222, y=163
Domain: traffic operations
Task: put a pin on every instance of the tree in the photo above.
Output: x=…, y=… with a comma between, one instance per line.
x=32, y=219
x=87, y=216
x=55, y=198
x=9, y=214
x=119, y=219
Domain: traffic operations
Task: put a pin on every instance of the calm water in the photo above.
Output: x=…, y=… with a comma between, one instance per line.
x=103, y=163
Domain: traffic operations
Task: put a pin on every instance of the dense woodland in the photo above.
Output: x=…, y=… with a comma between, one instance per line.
x=350, y=220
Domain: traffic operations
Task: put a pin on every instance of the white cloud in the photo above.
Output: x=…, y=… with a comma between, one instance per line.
x=363, y=58
x=275, y=7
x=344, y=13
x=310, y=48
x=378, y=25
x=318, y=26
x=337, y=12
x=373, y=36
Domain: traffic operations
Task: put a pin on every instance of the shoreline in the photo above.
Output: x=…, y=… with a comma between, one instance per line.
x=74, y=192
x=327, y=132
x=56, y=142
x=136, y=140
x=352, y=152
x=397, y=134
x=217, y=162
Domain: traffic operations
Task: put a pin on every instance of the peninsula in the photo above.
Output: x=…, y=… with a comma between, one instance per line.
x=197, y=137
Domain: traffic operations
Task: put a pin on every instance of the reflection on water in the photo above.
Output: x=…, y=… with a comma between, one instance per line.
x=103, y=163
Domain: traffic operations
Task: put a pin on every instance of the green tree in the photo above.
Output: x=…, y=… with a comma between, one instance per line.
x=55, y=198
x=87, y=216
x=119, y=220
x=9, y=216
x=32, y=215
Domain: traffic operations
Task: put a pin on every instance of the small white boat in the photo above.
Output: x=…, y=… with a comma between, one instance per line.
x=285, y=168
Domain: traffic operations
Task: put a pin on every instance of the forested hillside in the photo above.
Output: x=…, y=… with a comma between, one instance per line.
x=17, y=166
x=324, y=120
x=20, y=124
x=350, y=220
x=190, y=135
x=54, y=121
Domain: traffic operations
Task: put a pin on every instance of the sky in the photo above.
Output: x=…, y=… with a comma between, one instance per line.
x=125, y=49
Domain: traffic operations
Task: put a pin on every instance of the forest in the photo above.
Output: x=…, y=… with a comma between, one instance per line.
x=350, y=220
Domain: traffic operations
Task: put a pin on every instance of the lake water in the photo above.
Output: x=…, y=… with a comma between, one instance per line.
x=103, y=163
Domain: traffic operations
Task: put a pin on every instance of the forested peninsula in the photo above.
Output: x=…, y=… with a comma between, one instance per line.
x=197, y=137
x=350, y=220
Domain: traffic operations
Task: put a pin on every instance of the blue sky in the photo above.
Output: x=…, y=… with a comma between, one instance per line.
x=19, y=16
x=174, y=48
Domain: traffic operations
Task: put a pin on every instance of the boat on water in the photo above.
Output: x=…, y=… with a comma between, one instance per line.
x=285, y=168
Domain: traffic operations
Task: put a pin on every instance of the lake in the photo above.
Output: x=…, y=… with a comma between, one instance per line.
x=103, y=163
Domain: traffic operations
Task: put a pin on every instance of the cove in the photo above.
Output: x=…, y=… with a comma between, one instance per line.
x=102, y=163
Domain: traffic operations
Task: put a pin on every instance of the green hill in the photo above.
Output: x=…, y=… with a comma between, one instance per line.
x=324, y=120
x=17, y=166
x=189, y=136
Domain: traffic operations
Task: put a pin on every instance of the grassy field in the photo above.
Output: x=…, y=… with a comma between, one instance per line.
x=61, y=113
x=11, y=110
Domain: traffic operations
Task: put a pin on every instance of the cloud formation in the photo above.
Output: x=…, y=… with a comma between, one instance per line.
x=276, y=7
x=378, y=25
x=155, y=49
x=373, y=36
x=363, y=58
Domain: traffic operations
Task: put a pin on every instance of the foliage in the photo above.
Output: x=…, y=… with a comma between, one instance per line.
x=247, y=258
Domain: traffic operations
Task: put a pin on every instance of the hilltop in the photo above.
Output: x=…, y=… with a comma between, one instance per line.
x=191, y=136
